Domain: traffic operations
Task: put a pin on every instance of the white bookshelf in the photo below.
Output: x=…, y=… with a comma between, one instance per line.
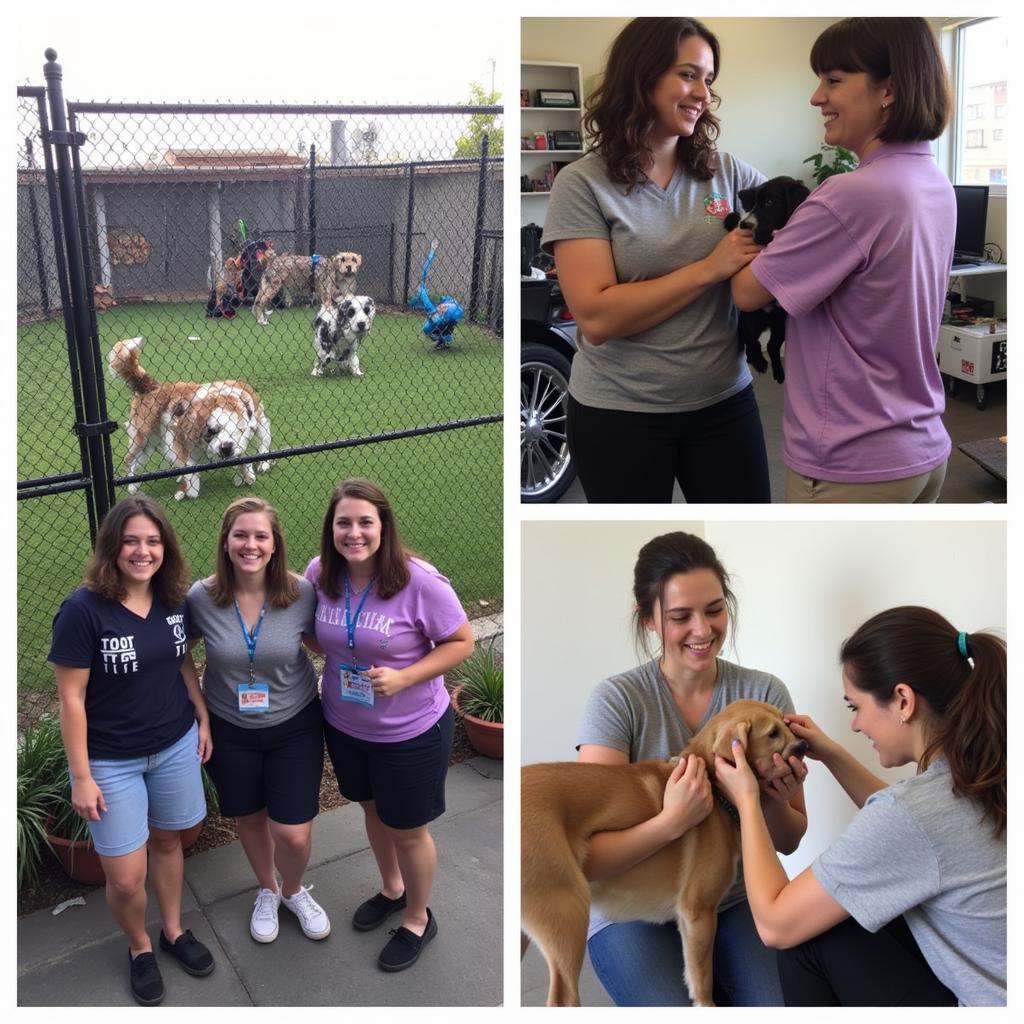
x=537, y=120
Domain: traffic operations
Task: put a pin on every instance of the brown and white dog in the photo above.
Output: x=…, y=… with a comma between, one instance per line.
x=189, y=422
x=332, y=275
x=562, y=805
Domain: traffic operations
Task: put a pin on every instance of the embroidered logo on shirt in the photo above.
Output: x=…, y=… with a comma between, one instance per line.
x=716, y=207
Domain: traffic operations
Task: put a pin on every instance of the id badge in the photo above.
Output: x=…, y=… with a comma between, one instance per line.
x=253, y=698
x=356, y=686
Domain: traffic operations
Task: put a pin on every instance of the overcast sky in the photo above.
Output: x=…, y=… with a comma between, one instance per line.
x=255, y=51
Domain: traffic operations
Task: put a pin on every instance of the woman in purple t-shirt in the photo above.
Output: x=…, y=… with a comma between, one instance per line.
x=863, y=269
x=390, y=625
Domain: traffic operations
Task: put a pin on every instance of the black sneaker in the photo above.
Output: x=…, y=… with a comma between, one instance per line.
x=375, y=911
x=404, y=947
x=147, y=985
x=193, y=956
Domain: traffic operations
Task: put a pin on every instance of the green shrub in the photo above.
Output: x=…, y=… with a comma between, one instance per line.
x=483, y=685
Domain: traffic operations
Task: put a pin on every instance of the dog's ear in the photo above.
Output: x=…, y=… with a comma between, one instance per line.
x=737, y=729
x=747, y=197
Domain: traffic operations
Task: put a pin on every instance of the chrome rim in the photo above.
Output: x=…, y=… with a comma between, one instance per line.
x=543, y=447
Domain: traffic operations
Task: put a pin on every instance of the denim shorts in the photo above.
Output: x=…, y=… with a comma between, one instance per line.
x=163, y=790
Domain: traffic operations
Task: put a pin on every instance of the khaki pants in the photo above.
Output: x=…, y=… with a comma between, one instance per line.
x=921, y=489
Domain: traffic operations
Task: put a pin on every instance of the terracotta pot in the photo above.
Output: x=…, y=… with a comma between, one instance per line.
x=81, y=862
x=486, y=738
x=79, y=859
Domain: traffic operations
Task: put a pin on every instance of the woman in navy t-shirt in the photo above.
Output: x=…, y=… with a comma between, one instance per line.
x=135, y=727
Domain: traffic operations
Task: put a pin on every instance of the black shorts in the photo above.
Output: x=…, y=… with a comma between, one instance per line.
x=278, y=767
x=405, y=780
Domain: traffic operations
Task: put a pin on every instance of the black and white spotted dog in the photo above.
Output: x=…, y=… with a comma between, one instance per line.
x=768, y=207
x=339, y=329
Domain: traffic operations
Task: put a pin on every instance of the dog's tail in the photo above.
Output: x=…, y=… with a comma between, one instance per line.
x=124, y=364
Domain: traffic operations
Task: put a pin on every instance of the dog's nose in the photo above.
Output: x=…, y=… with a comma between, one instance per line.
x=797, y=749
x=227, y=449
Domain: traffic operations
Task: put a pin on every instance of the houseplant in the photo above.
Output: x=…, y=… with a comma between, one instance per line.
x=831, y=160
x=479, y=699
x=45, y=816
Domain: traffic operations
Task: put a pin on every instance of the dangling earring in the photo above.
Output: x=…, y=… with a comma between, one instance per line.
x=903, y=721
x=885, y=106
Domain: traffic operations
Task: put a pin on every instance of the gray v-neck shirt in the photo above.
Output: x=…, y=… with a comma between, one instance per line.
x=634, y=712
x=280, y=659
x=692, y=360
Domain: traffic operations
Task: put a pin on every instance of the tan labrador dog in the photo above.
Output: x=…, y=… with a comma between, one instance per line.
x=564, y=804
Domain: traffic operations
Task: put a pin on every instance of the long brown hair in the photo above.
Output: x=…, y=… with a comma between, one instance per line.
x=903, y=50
x=658, y=561
x=392, y=557
x=282, y=586
x=620, y=114
x=169, y=582
x=965, y=694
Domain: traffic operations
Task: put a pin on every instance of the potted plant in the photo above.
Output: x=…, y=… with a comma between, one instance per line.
x=479, y=699
x=831, y=160
x=45, y=814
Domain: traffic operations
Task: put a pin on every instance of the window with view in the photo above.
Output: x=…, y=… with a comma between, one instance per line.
x=980, y=147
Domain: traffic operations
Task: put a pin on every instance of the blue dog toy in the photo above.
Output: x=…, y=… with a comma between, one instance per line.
x=441, y=318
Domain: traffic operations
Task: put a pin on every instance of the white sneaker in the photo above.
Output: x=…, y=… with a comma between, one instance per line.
x=263, y=924
x=312, y=918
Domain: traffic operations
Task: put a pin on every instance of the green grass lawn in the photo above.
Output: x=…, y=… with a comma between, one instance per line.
x=446, y=487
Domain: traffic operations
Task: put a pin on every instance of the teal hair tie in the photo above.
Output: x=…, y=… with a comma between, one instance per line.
x=961, y=643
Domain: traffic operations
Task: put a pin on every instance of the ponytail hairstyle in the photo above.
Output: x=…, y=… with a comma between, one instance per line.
x=658, y=561
x=620, y=114
x=961, y=677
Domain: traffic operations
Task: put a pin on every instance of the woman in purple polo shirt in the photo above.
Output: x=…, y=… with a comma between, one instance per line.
x=863, y=269
x=390, y=625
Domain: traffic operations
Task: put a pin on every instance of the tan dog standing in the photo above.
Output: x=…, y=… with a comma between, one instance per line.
x=332, y=275
x=564, y=804
x=190, y=422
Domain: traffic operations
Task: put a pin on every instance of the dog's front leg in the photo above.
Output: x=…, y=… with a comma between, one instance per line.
x=188, y=487
x=697, y=928
x=750, y=340
x=777, y=322
x=263, y=436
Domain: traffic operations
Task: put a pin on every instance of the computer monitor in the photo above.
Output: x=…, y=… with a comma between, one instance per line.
x=971, y=220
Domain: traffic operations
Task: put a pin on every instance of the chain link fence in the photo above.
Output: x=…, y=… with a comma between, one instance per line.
x=199, y=222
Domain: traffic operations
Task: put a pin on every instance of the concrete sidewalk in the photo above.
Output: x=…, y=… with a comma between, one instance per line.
x=79, y=958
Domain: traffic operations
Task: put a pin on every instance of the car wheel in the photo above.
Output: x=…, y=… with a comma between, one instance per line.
x=545, y=465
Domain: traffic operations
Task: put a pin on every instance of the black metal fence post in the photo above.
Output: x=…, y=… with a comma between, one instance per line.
x=312, y=200
x=478, y=233
x=410, y=211
x=101, y=489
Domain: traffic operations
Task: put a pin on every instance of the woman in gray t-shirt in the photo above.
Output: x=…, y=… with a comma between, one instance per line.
x=660, y=390
x=682, y=594
x=908, y=906
x=268, y=746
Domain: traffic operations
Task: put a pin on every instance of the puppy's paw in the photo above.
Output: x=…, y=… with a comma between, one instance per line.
x=757, y=361
x=262, y=467
x=317, y=371
x=133, y=488
x=179, y=495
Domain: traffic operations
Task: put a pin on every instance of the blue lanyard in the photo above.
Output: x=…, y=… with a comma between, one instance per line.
x=250, y=638
x=350, y=622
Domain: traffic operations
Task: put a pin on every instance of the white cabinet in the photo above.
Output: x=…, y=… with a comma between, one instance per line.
x=551, y=130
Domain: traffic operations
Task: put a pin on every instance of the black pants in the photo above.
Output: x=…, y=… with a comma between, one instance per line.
x=717, y=454
x=848, y=966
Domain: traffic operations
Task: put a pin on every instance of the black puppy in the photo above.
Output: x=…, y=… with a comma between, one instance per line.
x=768, y=207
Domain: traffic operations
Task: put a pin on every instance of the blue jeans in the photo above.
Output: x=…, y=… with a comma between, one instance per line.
x=641, y=964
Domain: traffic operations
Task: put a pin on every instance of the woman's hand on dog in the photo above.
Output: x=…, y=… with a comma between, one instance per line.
x=738, y=780
x=784, y=786
x=819, y=746
x=688, y=799
x=732, y=254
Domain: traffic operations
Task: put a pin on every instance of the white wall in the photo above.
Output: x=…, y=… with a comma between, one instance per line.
x=802, y=588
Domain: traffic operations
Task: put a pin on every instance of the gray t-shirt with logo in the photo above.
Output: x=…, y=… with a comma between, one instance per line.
x=634, y=712
x=692, y=360
x=281, y=661
x=918, y=850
